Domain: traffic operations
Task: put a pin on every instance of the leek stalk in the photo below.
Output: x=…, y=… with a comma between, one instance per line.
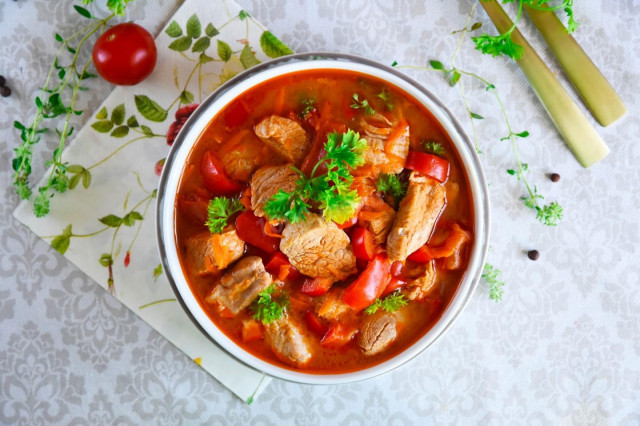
x=594, y=89
x=583, y=140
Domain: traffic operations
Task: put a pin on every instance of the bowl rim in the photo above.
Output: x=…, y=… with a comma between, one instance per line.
x=264, y=72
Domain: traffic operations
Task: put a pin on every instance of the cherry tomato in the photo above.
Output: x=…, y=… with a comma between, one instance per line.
x=215, y=178
x=427, y=164
x=369, y=285
x=125, y=54
x=362, y=242
x=250, y=229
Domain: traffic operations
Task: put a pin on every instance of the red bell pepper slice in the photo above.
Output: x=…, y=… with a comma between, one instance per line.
x=369, y=285
x=348, y=223
x=236, y=114
x=338, y=335
x=362, y=243
x=250, y=229
x=215, y=178
x=393, y=284
x=422, y=255
x=314, y=324
x=316, y=286
x=428, y=164
x=280, y=267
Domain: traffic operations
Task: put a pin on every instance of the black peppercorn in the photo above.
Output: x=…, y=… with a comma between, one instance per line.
x=533, y=254
x=555, y=177
x=5, y=91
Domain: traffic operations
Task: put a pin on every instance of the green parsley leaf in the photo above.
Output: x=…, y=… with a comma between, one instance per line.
x=308, y=105
x=332, y=190
x=492, y=276
x=386, y=98
x=392, y=185
x=268, y=307
x=391, y=303
x=434, y=148
x=362, y=104
x=219, y=211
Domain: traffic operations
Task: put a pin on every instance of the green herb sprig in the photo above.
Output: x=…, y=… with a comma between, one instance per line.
x=550, y=214
x=308, y=105
x=57, y=100
x=503, y=44
x=392, y=185
x=362, y=104
x=434, y=148
x=386, y=98
x=219, y=210
x=390, y=303
x=492, y=276
x=270, y=305
x=332, y=190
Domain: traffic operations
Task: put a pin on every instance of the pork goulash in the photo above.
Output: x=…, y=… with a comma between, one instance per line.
x=324, y=221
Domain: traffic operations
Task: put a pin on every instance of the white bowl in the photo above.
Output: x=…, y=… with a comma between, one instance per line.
x=224, y=95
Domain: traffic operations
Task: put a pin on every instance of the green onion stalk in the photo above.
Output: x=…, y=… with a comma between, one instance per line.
x=594, y=89
x=581, y=137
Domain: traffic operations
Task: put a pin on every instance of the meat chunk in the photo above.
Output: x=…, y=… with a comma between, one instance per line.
x=285, y=136
x=388, y=147
x=332, y=306
x=209, y=253
x=239, y=286
x=416, y=217
x=318, y=248
x=379, y=221
x=243, y=154
x=288, y=342
x=378, y=331
x=422, y=283
x=267, y=181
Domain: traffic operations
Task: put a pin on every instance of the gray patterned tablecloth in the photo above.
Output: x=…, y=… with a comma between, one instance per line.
x=562, y=347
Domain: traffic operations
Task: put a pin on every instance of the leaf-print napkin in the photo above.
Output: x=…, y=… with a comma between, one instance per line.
x=104, y=223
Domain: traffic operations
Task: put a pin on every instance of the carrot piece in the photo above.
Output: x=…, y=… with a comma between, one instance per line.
x=251, y=330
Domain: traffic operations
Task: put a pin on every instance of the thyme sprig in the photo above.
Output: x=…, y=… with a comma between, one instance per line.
x=549, y=214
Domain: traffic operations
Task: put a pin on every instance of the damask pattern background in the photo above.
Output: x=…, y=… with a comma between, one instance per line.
x=561, y=347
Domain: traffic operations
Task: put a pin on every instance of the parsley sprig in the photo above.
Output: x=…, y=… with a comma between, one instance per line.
x=219, y=210
x=390, y=303
x=332, y=191
x=308, y=104
x=270, y=305
x=504, y=45
x=492, y=276
x=392, y=185
x=434, y=148
x=386, y=98
x=362, y=104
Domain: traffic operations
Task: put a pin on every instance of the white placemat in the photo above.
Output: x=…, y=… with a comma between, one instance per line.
x=105, y=223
